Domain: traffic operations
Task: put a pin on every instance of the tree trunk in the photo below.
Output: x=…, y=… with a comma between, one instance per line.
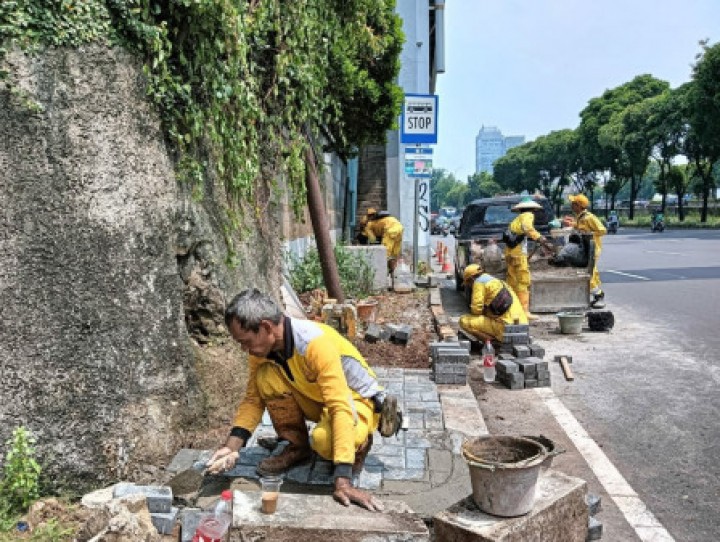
x=321, y=228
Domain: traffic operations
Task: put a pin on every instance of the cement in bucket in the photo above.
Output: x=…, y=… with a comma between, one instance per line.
x=571, y=322
x=503, y=473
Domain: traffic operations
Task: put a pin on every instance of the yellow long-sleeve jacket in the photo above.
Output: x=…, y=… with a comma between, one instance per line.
x=375, y=229
x=484, y=290
x=588, y=222
x=524, y=224
x=324, y=367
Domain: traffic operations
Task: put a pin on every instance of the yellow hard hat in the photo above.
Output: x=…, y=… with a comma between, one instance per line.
x=371, y=211
x=471, y=271
x=580, y=199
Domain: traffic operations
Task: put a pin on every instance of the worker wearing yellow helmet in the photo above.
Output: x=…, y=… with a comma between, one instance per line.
x=492, y=305
x=586, y=222
x=520, y=229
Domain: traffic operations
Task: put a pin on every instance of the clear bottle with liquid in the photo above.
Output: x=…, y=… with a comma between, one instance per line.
x=215, y=524
x=488, y=358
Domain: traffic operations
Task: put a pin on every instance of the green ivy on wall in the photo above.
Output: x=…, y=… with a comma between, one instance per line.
x=242, y=85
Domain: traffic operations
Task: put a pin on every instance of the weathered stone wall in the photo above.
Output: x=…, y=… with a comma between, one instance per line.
x=103, y=262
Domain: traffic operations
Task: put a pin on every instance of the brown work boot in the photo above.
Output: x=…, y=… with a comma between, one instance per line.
x=360, y=455
x=390, y=417
x=289, y=423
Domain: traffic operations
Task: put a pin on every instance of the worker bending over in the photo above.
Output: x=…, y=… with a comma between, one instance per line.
x=492, y=305
x=390, y=232
x=302, y=370
x=586, y=222
x=518, y=271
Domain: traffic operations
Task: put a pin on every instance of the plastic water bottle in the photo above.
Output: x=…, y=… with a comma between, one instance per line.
x=214, y=525
x=488, y=357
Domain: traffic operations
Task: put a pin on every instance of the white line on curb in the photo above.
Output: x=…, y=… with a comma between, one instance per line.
x=646, y=525
x=626, y=274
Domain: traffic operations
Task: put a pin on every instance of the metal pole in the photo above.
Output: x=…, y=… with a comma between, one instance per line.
x=416, y=225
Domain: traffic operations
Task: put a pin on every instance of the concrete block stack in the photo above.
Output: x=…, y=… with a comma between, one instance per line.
x=159, y=502
x=450, y=360
x=520, y=364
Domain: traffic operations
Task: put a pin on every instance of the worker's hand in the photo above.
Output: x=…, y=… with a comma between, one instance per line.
x=222, y=460
x=345, y=493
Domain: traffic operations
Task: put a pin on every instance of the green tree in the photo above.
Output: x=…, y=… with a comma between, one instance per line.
x=441, y=184
x=703, y=102
x=481, y=185
x=678, y=181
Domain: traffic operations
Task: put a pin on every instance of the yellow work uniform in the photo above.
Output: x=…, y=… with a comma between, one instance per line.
x=329, y=379
x=481, y=319
x=390, y=230
x=588, y=223
x=518, y=271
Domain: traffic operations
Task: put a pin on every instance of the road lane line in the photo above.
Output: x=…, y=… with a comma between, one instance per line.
x=663, y=252
x=645, y=524
x=625, y=274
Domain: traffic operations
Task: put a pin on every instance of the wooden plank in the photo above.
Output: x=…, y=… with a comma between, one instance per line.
x=565, y=365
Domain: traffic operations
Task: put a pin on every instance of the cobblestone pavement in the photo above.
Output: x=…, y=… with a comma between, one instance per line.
x=401, y=457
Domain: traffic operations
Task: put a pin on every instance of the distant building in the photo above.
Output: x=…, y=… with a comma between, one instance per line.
x=490, y=145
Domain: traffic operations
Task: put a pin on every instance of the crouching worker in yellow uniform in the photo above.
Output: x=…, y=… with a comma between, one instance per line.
x=389, y=229
x=302, y=370
x=488, y=299
x=518, y=270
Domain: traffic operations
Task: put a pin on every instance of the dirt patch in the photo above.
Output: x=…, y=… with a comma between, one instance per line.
x=412, y=309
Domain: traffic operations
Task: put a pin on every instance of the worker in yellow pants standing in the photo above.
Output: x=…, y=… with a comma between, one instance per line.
x=516, y=255
x=586, y=222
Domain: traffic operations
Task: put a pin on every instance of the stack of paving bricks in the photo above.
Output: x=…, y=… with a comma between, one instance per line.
x=159, y=502
x=450, y=360
x=520, y=364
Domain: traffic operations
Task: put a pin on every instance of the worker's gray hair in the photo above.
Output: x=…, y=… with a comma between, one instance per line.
x=250, y=307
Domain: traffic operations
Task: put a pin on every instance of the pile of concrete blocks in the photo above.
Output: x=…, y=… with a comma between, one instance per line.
x=520, y=362
x=450, y=360
x=159, y=502
x=395, y=333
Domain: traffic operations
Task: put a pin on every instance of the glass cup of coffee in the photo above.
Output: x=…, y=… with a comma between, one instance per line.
x=270, y=492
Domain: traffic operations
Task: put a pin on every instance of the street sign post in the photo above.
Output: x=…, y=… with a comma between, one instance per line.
x=418, y=168
x=419, y=119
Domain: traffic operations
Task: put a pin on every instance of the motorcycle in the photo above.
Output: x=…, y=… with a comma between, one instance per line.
x=613, y=224
x=657, y=223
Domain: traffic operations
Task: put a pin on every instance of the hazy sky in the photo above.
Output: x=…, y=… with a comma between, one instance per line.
x=530, y=66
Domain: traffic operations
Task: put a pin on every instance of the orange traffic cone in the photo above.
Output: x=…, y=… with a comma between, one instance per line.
x=446, y=268
x=440, y=253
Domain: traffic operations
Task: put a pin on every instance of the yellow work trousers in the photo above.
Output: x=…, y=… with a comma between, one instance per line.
x=272, y=384
x=518, y=272
x=595, y=279
x=392, y=241
x=479, y=326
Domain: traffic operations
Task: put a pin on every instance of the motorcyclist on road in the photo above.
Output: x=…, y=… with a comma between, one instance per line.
x=613, y=222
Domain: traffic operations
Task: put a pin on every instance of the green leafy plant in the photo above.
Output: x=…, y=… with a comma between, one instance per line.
x=356, y=274
x=20, y=483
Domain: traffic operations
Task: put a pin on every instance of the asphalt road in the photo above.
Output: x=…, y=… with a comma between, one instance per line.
x=648, y=392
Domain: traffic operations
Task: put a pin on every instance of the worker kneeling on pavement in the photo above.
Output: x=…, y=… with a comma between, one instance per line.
x=302, y=370
x=492, y=305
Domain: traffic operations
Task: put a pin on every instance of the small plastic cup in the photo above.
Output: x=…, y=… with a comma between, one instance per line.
x=270, y=493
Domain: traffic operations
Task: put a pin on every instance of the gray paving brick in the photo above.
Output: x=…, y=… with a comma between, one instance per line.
x=159, y=498
x=455, y=355
x=405, y=474
x=531, y=383
x=417, y=441
x=520, y=351
x=416, y=458
x=506, y=366
x=517, y=328
x=165, y=523
x=527, y=367
x=537, y=351
x=516, y=338
x=373, y=333
x=242, y=471
x=392, y=461
x=369, y=480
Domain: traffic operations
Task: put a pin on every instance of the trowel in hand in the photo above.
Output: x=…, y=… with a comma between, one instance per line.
x=186, y=485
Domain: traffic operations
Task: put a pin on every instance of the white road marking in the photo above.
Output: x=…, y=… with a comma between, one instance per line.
x=626, y=274
x=662, y=252
x=646, y=525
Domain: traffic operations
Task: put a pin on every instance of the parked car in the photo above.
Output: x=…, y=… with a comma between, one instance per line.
x=486, y=219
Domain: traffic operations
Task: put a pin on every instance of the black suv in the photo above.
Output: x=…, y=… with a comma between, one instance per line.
x=486, y=219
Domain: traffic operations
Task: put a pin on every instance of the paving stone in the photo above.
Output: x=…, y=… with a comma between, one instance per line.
x=165, y=523
x=520, y=351
x=189, y=519
x=517, y=328
x=373, y=333
x=159, y=498
x=594, y=503
x=537, y=351
x=531, y=383
x=516, y=338
x=527, y=367
x=507, y=367
x=401, y=335
x=506, y=356
x=415, y=458
x=595, y=529
x=452, y=355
